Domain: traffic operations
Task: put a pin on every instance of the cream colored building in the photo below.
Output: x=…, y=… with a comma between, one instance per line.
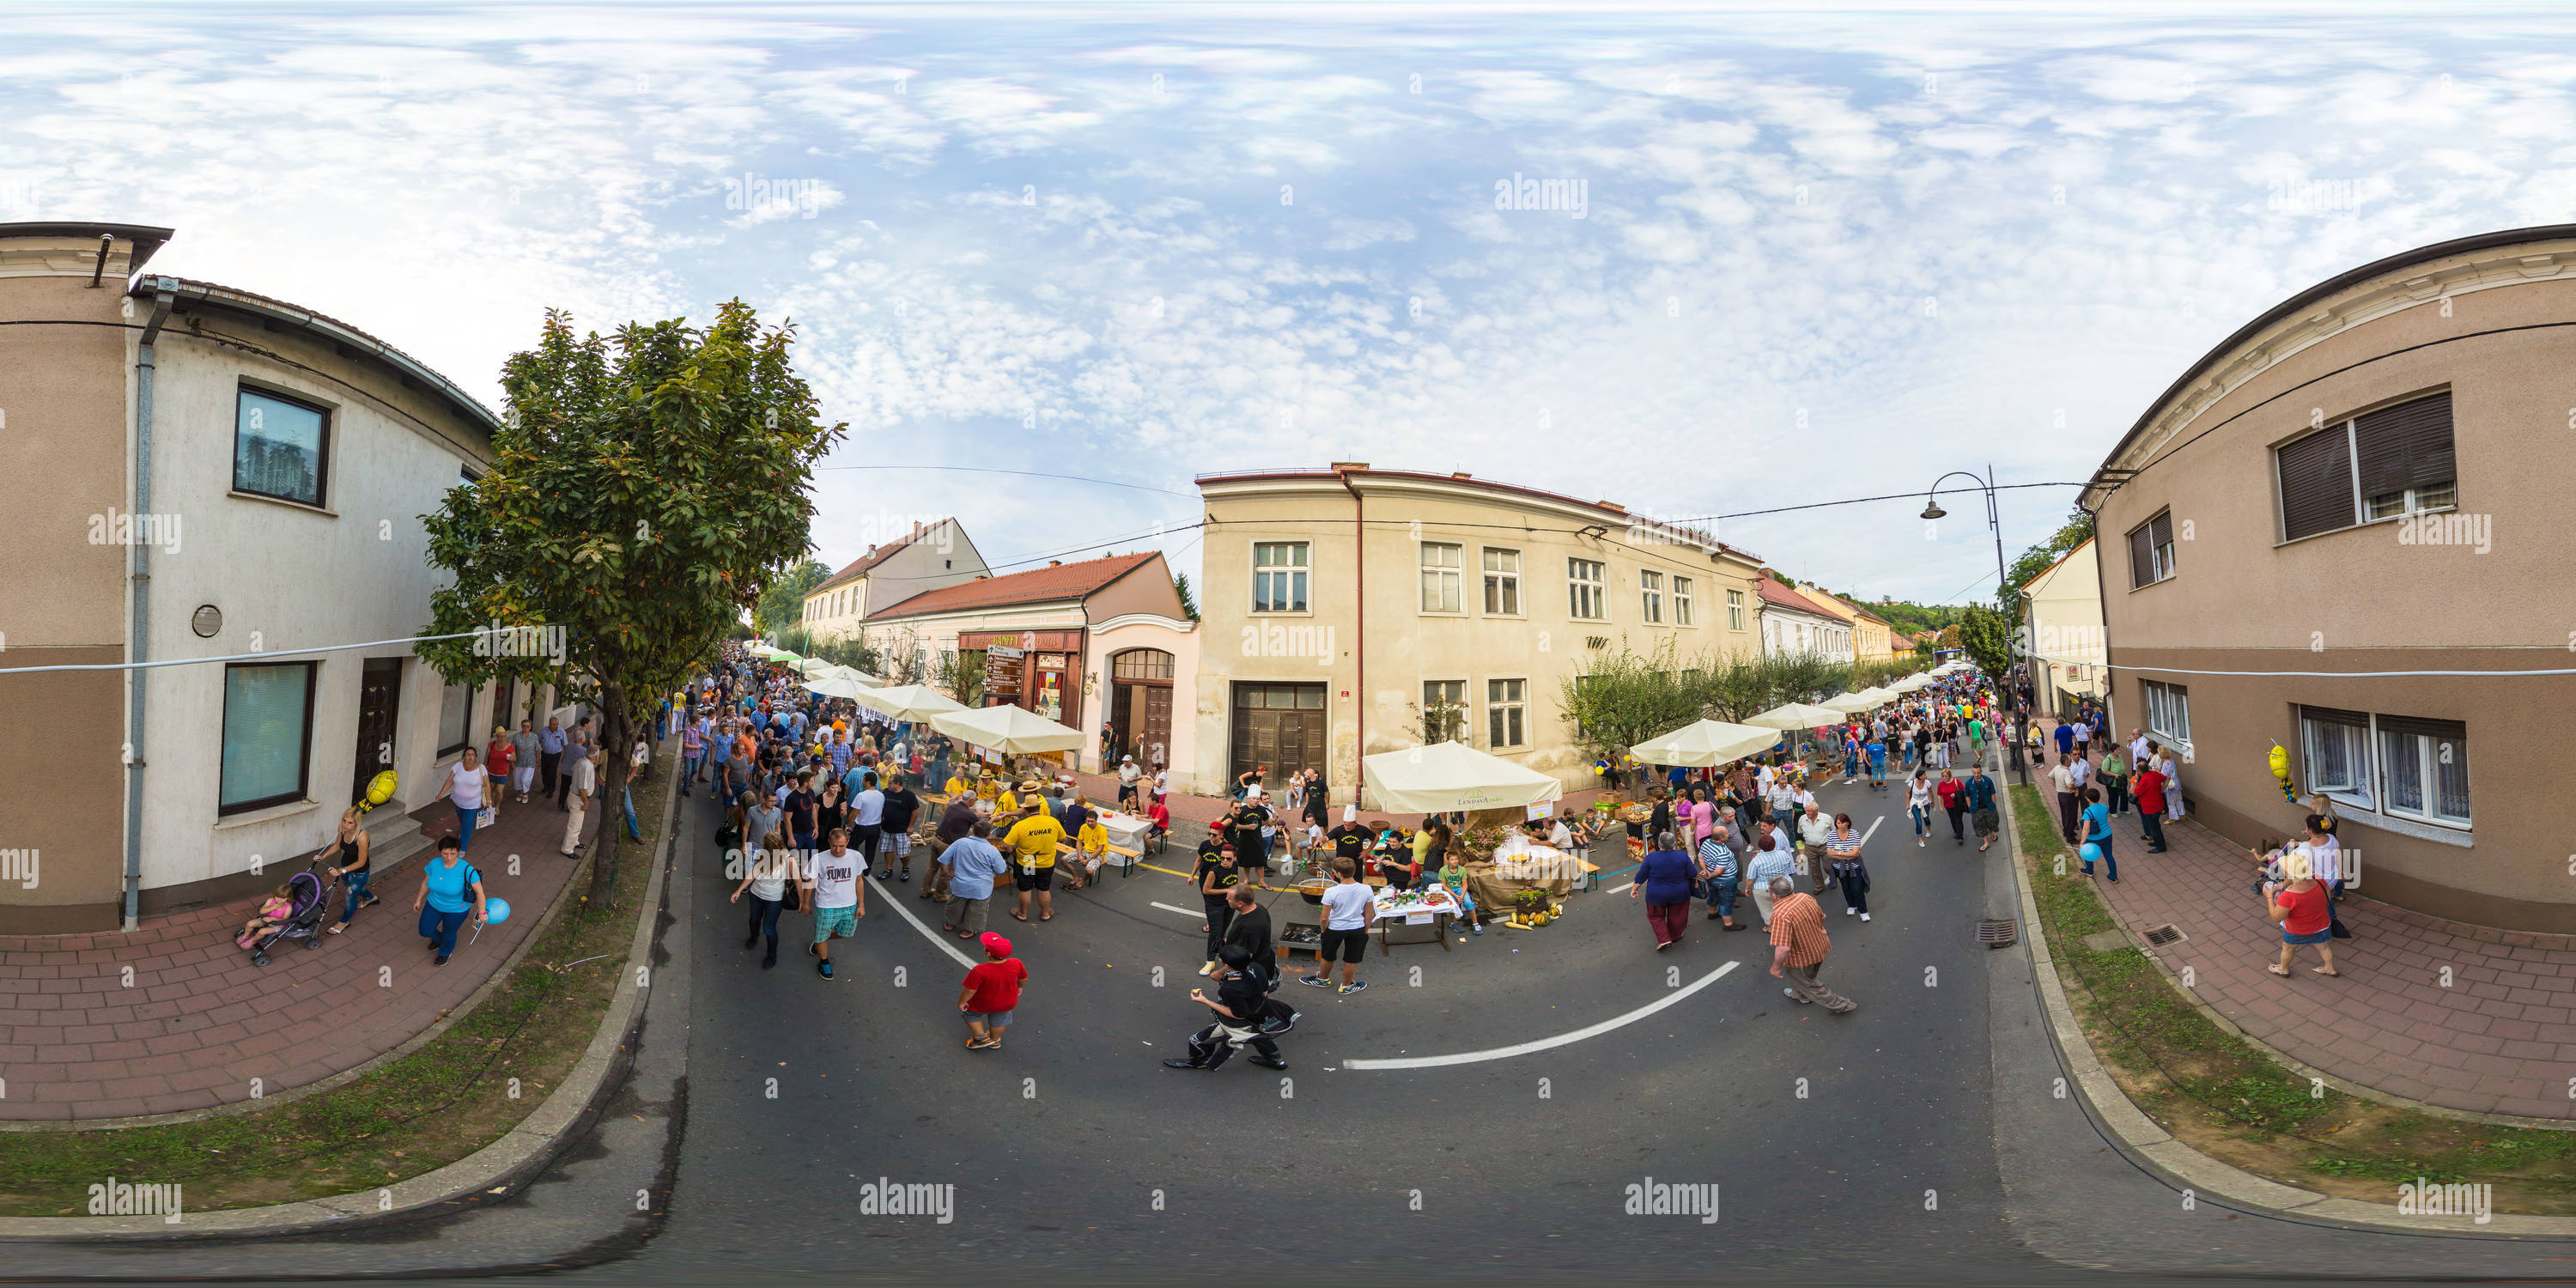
x=929, y=556
x=1873, y=640
x=2062, y=631
x=1351, y=611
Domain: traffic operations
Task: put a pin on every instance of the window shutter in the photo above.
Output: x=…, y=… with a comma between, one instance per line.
x=2452, y=730
x=2142, y=566
x=2405, y=446
x=2335, y=715
x=2316, y=484
x=2160, y=537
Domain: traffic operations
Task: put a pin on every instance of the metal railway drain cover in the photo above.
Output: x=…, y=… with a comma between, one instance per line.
x=2163, y=936
x=1998, y=932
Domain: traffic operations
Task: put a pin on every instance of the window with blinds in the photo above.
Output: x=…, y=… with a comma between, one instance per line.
x=2400, y=766
x=2151, y=551
x=2379, y=465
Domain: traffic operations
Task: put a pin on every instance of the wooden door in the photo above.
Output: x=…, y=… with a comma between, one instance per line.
x=379, y=703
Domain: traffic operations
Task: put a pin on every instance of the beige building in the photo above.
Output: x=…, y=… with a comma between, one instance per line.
x=1098, y=643
x=2062, y=632
x=1872, y=638
x=2349, y=530
x=193, y=471
x=1794, y=624
x=1351, y=611
x=925, y=558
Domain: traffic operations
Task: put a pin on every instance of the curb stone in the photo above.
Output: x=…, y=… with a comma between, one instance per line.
x=2156, y=1151
x=488, y=1175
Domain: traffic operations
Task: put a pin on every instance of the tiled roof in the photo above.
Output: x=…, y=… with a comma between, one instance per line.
x=1036, y=586
x=1776, y=594
x=859, y=566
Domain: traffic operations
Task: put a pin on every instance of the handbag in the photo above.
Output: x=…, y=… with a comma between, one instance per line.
x=489, y=815
x=790, y=898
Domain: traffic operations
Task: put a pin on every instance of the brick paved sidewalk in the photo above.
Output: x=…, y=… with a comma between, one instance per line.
x=2500, y=1038
x=199, y=1021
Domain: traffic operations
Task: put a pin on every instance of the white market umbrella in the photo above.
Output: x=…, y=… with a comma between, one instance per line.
x=1884, y=696
x=1912, y=684
x=835, y=686
x=1706, y=743
x=1852, y=704
x=1450, y=777
x=907, y=702
x=1796, y=715
x=855, y=676
x=1016, y=730
x=813, y=666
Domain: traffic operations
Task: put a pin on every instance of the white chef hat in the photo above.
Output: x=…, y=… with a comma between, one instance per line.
x=1350, y=813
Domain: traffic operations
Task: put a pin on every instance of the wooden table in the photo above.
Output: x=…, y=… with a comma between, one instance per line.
x=1441, y=915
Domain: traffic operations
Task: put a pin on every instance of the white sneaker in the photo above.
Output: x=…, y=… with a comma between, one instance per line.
x=1847, y=912
x=1864, y=916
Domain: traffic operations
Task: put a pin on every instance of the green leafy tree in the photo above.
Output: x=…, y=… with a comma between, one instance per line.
x=1987, y=636
x=1621, y=699
x=644, y=490
x=1189, y=598
x=783, y=604
x=960, y=675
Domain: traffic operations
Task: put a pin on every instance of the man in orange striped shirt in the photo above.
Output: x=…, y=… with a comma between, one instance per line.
x=1799, y=943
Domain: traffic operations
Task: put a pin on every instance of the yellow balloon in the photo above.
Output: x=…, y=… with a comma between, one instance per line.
x=2280, y=763
x=381, y=788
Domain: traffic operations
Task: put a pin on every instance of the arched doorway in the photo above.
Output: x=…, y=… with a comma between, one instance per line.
x=1140, y=708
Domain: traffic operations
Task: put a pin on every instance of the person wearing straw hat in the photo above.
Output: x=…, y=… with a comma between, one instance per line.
x=2304, y=910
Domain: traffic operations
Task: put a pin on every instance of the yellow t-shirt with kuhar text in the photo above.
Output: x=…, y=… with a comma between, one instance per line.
x=1034, y=840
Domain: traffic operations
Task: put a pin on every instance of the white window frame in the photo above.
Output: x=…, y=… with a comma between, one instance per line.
x=1296, y=575
x=1734, y=609
x=2415, y=501
x=1515, y=708
x=2360, y=795
x=1461, y=729
x=1650, y=595
x=1587, y=581
x=1444, y=585
x=1502, y=585
x=2163, y=701
x=1682, y=602
x=2428, y=777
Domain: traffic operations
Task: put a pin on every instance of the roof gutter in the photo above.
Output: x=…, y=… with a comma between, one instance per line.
x=138, y=646
x=336, y=333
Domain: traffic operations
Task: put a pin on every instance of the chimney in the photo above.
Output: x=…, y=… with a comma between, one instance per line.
x=1461, y=474
x=1055, y=563
x=1341, y=467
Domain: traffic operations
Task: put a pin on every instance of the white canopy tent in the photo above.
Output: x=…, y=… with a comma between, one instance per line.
x=906, y=701
x=1852, y=704
x=1796, y=715
x=1705, y=743
x=835, y=686
x=1015, y=730
x=1452, y=776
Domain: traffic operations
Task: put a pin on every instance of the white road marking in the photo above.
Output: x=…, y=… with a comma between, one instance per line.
x=946, y=943
x=1563, y=1039
x=1621, y=889
x=1873, y=829
x=1186, y=912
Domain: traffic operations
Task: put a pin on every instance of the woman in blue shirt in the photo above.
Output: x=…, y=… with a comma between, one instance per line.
x=1665, y=881
x=450, y=890
x=2097, y=831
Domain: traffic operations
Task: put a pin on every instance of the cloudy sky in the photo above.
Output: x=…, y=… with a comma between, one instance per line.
x=1814, y=257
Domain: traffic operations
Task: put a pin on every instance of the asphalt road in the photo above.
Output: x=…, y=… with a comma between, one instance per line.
x=1928, y=1146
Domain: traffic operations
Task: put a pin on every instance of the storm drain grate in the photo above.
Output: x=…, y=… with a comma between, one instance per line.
x=1998, y=932
x=2163, y=936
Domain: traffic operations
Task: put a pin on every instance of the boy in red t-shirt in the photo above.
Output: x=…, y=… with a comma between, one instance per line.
x=991, y=993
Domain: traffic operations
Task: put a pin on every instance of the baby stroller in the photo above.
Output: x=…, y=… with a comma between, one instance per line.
x=309, y=900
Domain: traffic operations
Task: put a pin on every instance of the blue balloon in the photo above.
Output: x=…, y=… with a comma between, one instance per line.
x=2092, y=854
x=496, y=911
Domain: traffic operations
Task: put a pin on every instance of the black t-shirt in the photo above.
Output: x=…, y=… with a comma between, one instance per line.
x=900, y=804
x=1348, y=840
x=1251, y=929
x=1240, y=993
x=1211, y=861
x=1245, y=822
x=800, y=809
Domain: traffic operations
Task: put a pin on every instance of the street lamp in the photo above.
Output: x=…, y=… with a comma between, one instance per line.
x=1994, y=523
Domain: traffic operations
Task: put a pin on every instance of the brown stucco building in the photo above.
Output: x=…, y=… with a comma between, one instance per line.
x=2347, y=530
